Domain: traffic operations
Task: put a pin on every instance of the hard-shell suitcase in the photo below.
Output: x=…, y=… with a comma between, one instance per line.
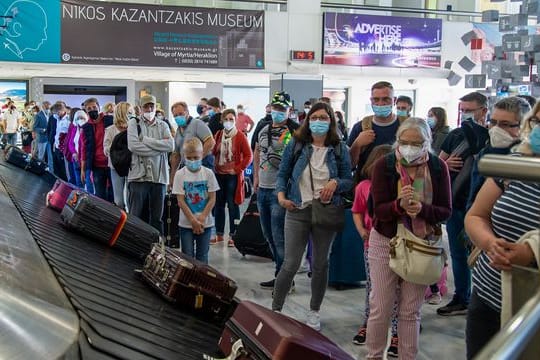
x=181, y=279
x=19, y=158
x=171, y=213
x=346, y=266
x=249, y=238
x=16, y=156
x=57, y=197
x=107, y=223
x=256, y=332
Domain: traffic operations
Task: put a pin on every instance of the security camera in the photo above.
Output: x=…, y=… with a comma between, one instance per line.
x=412, y=81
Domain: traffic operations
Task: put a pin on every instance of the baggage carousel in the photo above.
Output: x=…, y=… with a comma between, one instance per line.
x=64, y=296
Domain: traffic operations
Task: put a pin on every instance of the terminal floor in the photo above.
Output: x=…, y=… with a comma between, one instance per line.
x=442, y=338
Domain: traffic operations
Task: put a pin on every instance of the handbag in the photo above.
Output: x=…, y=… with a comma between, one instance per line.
x=414, y=259
x=329, y=216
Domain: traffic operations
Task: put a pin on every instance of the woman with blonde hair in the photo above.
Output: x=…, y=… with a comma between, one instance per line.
x=122, y=112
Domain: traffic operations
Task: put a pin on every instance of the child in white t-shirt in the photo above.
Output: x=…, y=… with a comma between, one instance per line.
x=196, y=188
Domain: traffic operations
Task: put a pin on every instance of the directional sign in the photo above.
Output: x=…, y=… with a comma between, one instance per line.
x=476, y=81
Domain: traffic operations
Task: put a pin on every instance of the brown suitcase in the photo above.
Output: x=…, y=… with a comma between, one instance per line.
x=181, y=279
x=255, y=332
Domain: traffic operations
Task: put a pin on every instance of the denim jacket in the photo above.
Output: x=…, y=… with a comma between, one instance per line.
x=289, y=175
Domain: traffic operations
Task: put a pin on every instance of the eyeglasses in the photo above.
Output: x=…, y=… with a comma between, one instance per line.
x=503, y=124
x=534, y=121
x=411, y=143
x=320, y=118
x=381, y=99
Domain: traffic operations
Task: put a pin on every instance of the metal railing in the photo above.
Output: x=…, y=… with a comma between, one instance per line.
x=515, y=337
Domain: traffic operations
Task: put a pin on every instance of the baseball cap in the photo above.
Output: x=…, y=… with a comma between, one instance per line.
x=147, y=99
x=281, y=98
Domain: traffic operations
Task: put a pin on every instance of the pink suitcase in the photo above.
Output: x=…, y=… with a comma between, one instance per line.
x=57, y=197
x=255, y=332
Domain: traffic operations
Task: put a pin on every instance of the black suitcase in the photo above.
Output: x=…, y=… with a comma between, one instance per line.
x=19, y=158
x=171, y=214
x=249, y=238
x=16, y=156
x=107, y=223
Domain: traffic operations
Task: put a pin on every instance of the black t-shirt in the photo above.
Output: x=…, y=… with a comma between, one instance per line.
x=215, y=123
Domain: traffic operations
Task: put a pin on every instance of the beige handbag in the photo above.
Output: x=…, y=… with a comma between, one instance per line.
x=414, y=259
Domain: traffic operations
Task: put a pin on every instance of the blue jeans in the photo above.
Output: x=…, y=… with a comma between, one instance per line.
x=195, y=245
x=118, y=185
x=149, y=194
x=88, y=181
x=41, y=150
x=102, y=178
x=11, y=139
x=225, y=196
x=272, y=217
x=74, y=175
x=459, y=254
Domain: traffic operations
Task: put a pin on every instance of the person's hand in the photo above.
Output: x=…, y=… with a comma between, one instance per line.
x=520, y=254
x=196, y=226
x=364, y=234
x=74, y=157
x=255, y=184
x=83, y=179
x=454, y=162
x=328, y=191
x=287, y=204
x=169, y=188
x=406, y=196
x=498, y=252
x=366, y=137
x=414, y=208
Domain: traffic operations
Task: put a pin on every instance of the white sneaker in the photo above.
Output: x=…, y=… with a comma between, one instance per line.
x=314, y=320
x=434, y=299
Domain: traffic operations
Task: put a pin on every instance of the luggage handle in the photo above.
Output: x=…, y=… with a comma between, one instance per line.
x=237, y=351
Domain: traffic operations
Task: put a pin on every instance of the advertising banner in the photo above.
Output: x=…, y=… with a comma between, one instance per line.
x=105, y=33
x=364, y=40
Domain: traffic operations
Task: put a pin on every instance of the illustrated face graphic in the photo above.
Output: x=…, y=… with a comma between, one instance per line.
x=23, y=33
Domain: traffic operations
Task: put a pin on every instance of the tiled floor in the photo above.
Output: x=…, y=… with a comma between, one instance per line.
x=342, y=311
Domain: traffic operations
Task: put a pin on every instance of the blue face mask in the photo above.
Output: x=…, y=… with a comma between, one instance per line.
x=534, y=139
x=431, y=121
x=193, y=165
x=382, y=110
x=211, y=112
x=278, y=116
x=319, y=127
x=401, y=113
x=180, y=120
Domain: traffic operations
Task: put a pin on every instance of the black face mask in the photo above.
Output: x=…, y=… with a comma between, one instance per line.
x=200, y=109
x=93, y=114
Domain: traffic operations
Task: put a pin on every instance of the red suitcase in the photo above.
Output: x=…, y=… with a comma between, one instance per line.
x=255, y=332
x=184, y=280
x=57, y=197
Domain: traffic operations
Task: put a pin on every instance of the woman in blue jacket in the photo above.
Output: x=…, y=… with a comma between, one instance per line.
x=315, y=165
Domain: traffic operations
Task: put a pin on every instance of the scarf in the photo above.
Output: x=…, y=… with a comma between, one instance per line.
x=423, y=190
x=226, y=147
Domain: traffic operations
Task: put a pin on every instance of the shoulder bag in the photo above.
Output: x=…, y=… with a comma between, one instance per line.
x=414, y=259
x=329, y=216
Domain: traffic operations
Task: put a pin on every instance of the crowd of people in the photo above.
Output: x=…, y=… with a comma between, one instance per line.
x=395, y=170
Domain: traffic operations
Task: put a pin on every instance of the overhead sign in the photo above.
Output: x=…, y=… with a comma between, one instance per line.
x=363, y=40
x=103, y=33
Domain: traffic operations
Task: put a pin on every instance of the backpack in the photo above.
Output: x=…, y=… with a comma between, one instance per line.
x=120, y=154
x=390, y=160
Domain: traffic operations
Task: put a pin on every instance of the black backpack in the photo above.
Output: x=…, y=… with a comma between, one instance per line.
x=120, y=154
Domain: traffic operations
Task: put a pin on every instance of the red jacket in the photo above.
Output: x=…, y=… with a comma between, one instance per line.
x=100, y=160
x=242, y=154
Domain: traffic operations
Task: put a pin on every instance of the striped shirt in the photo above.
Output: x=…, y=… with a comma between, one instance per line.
x=514, y=214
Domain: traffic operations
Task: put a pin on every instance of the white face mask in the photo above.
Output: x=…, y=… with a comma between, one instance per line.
x=149, y=115
x=410, y=152
x=500, y=138
x=228, y=125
